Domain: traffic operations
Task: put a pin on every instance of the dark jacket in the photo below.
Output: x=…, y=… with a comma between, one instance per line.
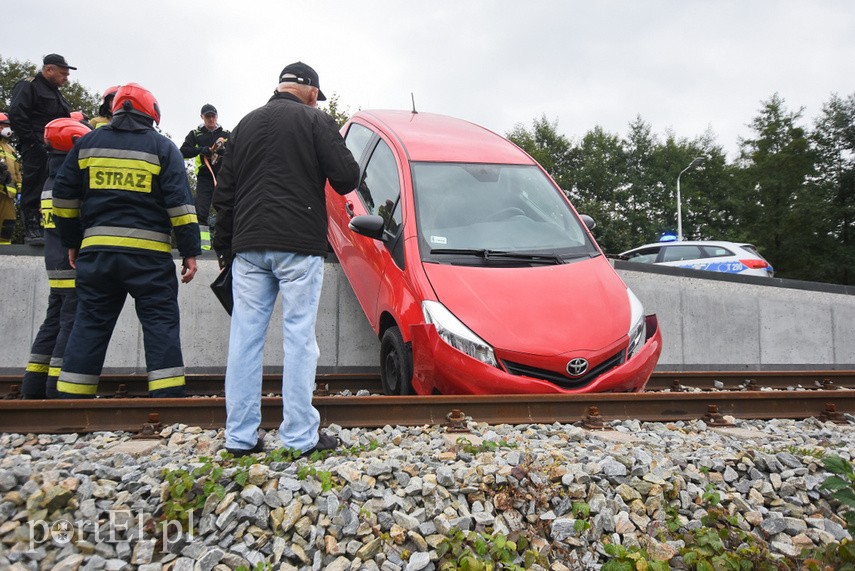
x=60, y=273
x=270, y=191
x=35, y=103
x=123, y=188
x=202, y=137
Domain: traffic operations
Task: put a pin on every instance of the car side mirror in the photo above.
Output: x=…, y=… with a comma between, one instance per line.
x=590, y=223
x=369, y=225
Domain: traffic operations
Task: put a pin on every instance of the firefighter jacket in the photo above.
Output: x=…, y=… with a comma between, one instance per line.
x=10, y=184
x=123, y=188
x=202, y=137
x=35, y=103
x=59, y=271
x=270, y=193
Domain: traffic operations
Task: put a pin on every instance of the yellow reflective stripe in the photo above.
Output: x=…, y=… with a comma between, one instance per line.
x=185, y=219
x=124, y=242
x=67, y=284
x=11, y=190
x=119, y=163
x=166, y=383
x=75, y=389
x=37, y=367
x=54, y=371
x=66, y=212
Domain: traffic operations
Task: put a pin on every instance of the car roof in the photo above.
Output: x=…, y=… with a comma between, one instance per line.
x=694, y=243
x=439, y=138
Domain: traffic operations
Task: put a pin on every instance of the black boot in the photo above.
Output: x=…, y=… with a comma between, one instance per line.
x=33, y=232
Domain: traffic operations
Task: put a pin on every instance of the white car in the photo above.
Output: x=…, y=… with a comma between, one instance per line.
x=729, y=257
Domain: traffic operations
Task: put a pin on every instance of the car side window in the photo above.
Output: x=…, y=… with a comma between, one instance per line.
x=717, y=252
x=644, y=256
x=677, y=253
x=357, y=139
x=380, y=187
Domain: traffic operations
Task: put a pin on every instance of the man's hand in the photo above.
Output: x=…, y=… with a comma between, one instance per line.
x=188, y=269
x=205, y=151
x=72, y=257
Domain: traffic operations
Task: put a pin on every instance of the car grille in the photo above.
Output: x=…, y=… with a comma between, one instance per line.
x=561, y=378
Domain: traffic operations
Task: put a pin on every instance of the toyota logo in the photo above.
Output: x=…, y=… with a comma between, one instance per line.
x=577, y=367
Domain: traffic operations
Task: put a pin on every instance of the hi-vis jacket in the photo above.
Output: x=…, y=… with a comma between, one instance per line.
x=123, y=188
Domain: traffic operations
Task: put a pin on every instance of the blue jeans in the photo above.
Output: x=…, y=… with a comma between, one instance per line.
x=258, y=277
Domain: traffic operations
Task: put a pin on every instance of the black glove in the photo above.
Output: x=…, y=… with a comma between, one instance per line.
x=205, y=151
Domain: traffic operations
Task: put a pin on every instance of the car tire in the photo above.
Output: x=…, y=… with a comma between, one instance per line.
x=396, y=364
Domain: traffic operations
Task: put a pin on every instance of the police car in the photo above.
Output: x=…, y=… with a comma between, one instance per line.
x=715, y=256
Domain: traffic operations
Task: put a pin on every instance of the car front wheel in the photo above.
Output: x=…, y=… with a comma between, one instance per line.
x=396, y=364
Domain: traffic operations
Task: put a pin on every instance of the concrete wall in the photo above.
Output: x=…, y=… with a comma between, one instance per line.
x=709, y=321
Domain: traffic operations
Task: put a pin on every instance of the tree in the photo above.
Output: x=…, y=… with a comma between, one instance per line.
x=553, y=151
x=332, y=109
x=775, y=166
x=832, y=192
x=78, y=96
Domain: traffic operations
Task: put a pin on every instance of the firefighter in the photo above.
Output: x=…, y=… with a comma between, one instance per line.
x=207, y=144
x=49, y=345
x=118, y=196
x=10, y=181
x=105, y=110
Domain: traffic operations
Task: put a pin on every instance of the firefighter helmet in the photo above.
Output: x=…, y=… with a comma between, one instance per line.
x=4, y=118
x=78, y=115
x=110, y=91
x=134, y=98
x=61, y=134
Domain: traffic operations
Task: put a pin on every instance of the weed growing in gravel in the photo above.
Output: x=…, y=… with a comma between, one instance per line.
x=486, y=446
x=478, y=551
x=840, y=556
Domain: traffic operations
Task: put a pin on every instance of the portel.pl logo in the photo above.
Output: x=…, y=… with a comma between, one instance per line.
x=114, y=528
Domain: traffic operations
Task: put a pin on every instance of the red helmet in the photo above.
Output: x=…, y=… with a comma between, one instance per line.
x=108, y=92
x=61, y=134
x=78, y=115
x=134, y=98
x=4, y=118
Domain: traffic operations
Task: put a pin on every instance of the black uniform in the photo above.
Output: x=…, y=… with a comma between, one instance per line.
x=118, y=196
x=49, y=345
x=35, y=103
x=195, y=141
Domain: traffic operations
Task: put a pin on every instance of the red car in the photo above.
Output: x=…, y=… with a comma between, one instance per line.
x=474, y=269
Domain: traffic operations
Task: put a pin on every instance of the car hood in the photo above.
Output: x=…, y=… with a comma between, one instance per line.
x=543, y=310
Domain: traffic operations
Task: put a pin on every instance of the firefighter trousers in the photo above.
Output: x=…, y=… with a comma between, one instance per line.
x=104, y=280
x=46, y=354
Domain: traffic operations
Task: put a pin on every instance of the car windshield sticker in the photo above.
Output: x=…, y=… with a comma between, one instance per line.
x=438, y=239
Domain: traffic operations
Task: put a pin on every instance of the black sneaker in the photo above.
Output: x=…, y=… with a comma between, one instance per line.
x=240, y=452
x=325, y=442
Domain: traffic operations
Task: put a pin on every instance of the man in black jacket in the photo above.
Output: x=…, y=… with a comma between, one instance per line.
x=36, y=101
x=272, y=222
x=205, y=143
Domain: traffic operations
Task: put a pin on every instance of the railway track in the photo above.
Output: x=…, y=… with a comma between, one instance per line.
x=143, y=415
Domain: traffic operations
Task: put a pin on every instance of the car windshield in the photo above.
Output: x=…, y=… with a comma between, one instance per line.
x=478, y=213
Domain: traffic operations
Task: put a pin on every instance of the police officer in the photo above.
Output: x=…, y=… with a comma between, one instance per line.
x=206, y=143
x=49, y=345
x=35, y=102
x=10, y=180
x=118, y=196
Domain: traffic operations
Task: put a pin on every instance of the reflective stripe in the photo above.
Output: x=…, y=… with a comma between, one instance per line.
x=54, y=371
x=39, y=358
x=149, y=158
x=47, y=195
x=66, y=208
x=75, y=389
x=37, y=367
x=61, y=284
x=166, y=378
x=77, y=383
x=61, y=274
x=205, y=236
x=126, y=238
x=181, y=215
x=56, y=362
x=117, y=169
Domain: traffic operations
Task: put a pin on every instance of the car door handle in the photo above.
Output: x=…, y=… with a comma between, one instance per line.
x=348, y=207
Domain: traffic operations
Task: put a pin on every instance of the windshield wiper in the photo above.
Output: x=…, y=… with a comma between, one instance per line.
x=501, y=255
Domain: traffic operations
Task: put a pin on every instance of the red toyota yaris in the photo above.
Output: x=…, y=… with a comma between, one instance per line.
x=474, y=269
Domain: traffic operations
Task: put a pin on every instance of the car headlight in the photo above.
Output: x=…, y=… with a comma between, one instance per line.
x=452, y=331
x=637, y=325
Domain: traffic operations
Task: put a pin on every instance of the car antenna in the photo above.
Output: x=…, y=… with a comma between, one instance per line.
x=414, y=103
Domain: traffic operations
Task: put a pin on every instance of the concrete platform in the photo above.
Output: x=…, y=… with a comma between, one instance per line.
x=709, y=321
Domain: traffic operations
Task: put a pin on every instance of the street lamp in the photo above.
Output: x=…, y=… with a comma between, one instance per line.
x=696, y=161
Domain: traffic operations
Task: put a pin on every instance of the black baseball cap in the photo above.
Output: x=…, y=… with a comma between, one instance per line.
x=56, y=59
x=303, y=74
x=208, y=108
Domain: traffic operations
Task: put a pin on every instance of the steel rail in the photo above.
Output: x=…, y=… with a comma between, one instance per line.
x=65, y=416
x=213, y=385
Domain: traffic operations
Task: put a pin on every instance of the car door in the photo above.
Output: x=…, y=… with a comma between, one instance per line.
x=683, y=256
x=365, y=259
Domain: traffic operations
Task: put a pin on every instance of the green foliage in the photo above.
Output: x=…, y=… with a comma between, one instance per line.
x=486, y=446
x=631, y=559
x=187, y=491
x=479, y=552
x=842, y=487
x=332, y=109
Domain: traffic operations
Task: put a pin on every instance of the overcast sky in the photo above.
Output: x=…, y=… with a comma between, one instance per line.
x=683, y=66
